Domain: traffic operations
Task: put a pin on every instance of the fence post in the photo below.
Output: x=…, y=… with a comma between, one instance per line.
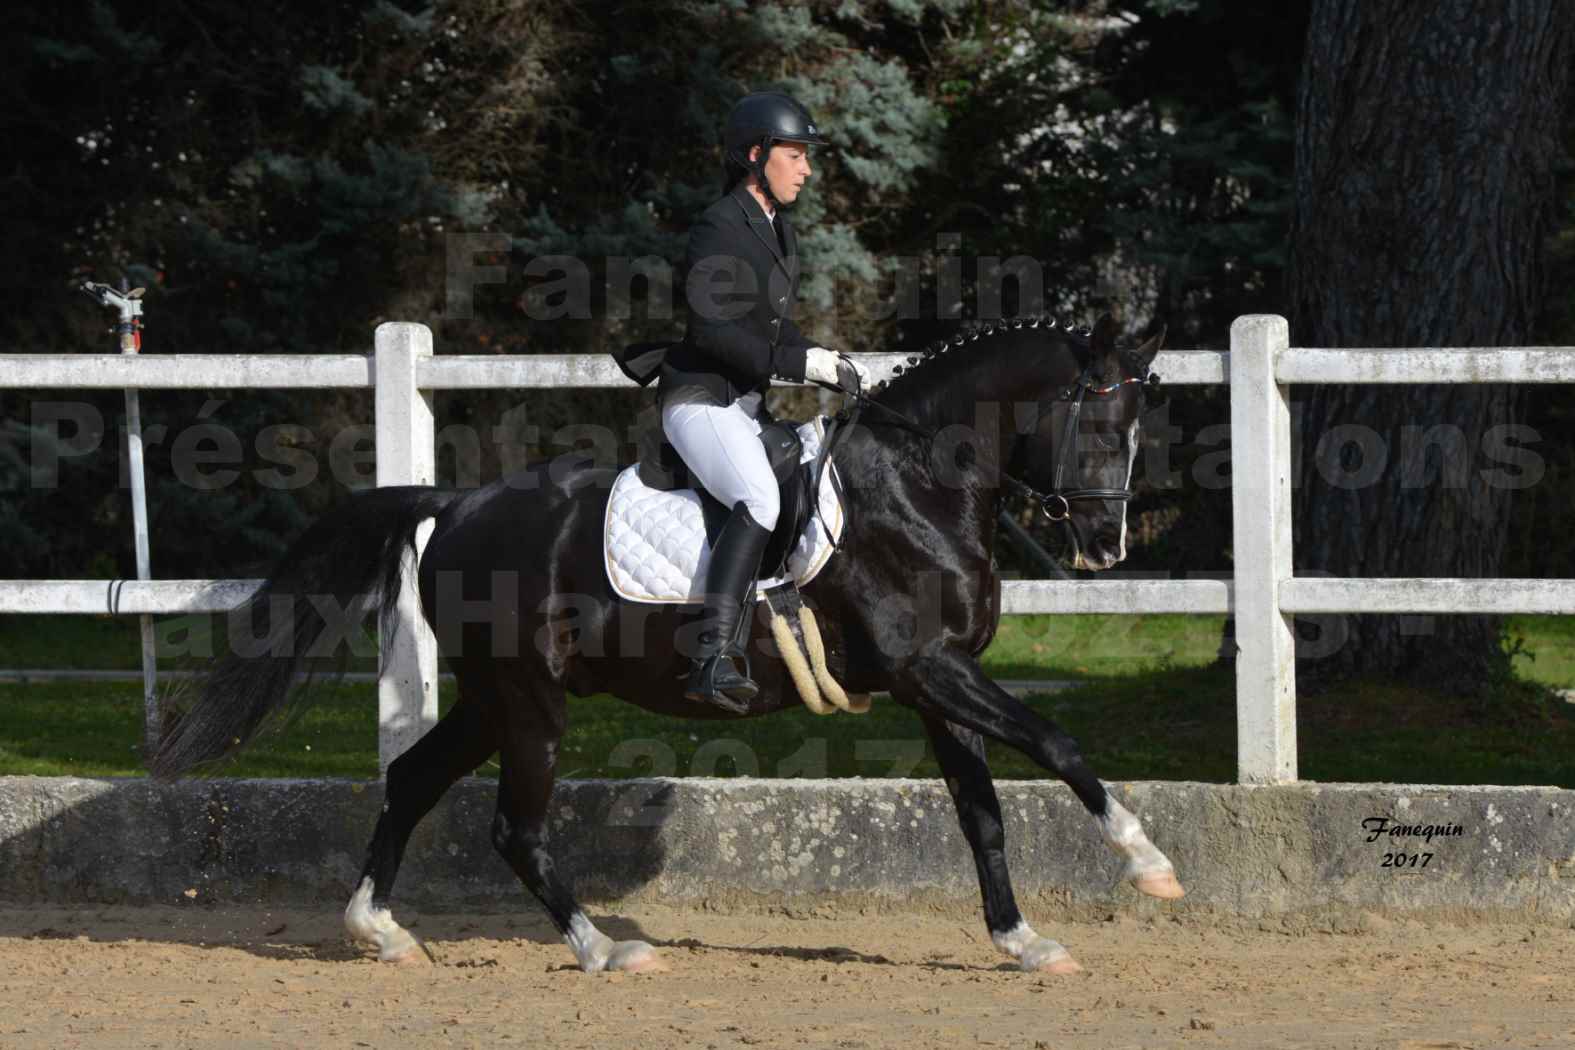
x=407, y=668
x=1260, y=422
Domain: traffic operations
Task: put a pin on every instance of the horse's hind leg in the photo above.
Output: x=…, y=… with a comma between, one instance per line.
x=960, y=753
x=950, y=683
x=460, y=742
x=528, y=757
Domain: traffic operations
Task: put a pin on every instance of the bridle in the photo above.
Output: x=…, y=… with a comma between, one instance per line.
x=1057, y=503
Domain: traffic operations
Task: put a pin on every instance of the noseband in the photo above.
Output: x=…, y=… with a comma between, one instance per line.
x=1057, y=503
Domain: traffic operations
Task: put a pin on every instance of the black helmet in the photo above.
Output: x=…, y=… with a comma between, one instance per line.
x=764, y=117
x=760, y=119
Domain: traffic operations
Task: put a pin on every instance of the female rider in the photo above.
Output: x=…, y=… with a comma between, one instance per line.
x=743, y=270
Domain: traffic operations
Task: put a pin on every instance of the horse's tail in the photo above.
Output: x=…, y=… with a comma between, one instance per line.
x=346, y=558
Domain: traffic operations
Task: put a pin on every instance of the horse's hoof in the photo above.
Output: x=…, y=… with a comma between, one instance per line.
x=1047, y=956
x=415, y=954
x=1161, y=884
x=1060, y=967
x=635, y=957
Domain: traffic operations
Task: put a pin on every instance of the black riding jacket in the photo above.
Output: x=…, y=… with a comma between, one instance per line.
x=741, y=288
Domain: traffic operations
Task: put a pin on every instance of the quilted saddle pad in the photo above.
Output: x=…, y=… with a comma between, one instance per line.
x=655, y=547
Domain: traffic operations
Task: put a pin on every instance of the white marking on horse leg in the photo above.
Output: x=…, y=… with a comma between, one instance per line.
x=598, y=952
x=1121, y=551
x=1147, y=869
x=376, y=926
x=1033, y=952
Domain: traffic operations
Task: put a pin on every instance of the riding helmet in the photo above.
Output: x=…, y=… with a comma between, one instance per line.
x=761, y=118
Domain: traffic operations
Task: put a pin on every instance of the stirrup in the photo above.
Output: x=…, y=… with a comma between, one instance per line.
x=717, y=680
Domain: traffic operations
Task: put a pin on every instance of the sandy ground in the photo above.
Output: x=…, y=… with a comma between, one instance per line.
x=202, y=977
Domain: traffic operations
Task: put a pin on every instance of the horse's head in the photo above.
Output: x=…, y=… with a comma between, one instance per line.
x=1086, y=442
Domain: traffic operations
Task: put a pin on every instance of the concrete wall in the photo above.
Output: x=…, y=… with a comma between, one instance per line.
x=731, y=843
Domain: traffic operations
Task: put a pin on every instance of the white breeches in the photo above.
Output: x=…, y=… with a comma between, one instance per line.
x=721, y=447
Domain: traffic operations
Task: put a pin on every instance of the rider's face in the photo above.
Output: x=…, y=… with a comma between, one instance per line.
x=787, y=169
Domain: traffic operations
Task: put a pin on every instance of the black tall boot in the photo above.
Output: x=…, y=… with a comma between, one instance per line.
x=729, y=589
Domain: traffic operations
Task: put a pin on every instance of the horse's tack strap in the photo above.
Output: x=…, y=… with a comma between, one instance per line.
x=797, y=635
x=798, y=666
x=857, y=704
x=836, y=429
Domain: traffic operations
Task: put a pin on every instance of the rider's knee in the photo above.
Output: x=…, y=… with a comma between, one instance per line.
x=765, y=507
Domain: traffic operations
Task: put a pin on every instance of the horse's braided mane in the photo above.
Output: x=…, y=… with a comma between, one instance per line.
x=973, y=331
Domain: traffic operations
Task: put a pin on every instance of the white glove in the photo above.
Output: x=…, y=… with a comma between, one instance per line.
x=835, y=369
x=820, y=365
x=860, y=370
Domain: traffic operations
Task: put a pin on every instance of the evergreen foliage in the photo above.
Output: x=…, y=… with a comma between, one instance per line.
x=283, y=179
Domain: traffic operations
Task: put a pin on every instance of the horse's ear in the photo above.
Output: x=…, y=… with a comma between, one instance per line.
x=1149, y=350
x=1102, y=340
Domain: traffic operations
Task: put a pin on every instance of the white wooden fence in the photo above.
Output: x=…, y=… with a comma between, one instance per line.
x=1263, y=594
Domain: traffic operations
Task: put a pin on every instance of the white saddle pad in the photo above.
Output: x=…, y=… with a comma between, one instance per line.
x=655, y=546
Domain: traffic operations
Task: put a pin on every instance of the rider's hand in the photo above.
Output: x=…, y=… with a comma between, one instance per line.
x=820, y=365
x=851, y=375
x=830, y=368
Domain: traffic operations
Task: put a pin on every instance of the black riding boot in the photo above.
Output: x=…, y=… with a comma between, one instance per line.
x=729, y=589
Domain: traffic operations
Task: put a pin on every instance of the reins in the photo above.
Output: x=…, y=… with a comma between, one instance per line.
x=1057, y=503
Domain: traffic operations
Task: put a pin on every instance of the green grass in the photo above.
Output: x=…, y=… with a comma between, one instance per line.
x=1063, y=647
x=95, y=729
x=1548, y=649
x=114, y=643
x=1176, y=724
x=1080, y=647
x=1148, y=708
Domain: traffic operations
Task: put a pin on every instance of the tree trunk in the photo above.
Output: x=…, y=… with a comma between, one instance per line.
x=1427, y=142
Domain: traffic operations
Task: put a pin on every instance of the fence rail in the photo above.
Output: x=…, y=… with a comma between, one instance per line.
x=1262, y=592
x=188, y=371
x=129, y=597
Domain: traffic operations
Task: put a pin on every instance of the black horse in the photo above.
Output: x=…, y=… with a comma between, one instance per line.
x=924, y=476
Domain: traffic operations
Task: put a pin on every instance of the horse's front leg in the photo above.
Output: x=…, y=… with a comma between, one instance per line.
x=960, y=753
x=950, y=684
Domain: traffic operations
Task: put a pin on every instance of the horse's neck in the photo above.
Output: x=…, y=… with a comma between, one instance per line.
x=987, y=409
x=954, y=446
x=904, y=474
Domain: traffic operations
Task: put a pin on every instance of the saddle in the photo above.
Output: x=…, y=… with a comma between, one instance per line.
x=662, y=469
x=659, y=530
